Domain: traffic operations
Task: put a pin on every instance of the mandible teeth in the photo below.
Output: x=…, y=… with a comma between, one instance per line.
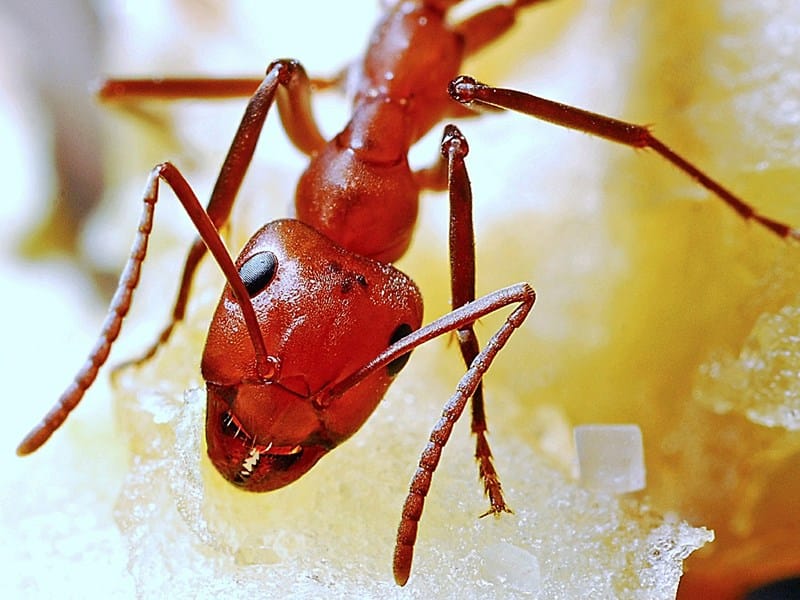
x=250, y=463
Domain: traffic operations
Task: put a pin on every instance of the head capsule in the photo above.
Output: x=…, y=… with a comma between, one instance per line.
x=323, y=313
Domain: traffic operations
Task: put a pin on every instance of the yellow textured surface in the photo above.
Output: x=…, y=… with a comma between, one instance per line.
x=656, y=306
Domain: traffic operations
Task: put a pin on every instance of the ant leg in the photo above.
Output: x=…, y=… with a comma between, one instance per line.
x=296, y=116
x=432, y=178
x=121, y=302
x=176, y=88
x=200, y=88
x=484, y=27
x=462, y=288
x=449, y=173
x=480, y=30
x=468, y=91
x=465, y=312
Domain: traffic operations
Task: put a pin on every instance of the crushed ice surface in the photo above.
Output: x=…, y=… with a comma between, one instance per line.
x=191, y=532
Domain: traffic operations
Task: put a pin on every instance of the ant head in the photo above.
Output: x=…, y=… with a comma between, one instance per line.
x=323, y=313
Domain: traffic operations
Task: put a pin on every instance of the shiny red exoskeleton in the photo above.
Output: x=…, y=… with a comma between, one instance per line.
x=314, y=322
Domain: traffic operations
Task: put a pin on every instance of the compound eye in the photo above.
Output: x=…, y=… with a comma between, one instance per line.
x=257, y=271
x=394, y=367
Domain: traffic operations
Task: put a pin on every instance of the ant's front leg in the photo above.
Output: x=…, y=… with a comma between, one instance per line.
x=287, y=83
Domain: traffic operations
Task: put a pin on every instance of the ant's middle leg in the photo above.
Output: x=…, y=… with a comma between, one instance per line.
x=450, y=173
x=462, y=288
x=466, y=311
x=287, y=83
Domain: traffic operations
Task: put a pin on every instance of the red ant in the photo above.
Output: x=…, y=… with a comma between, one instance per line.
x=314, y=322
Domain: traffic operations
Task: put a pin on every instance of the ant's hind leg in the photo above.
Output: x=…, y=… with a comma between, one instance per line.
x=196, y=88
x=467, y=91
x=486, y=26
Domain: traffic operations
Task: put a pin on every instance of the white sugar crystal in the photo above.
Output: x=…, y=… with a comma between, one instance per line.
x=611, y=457
x=512, y=567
